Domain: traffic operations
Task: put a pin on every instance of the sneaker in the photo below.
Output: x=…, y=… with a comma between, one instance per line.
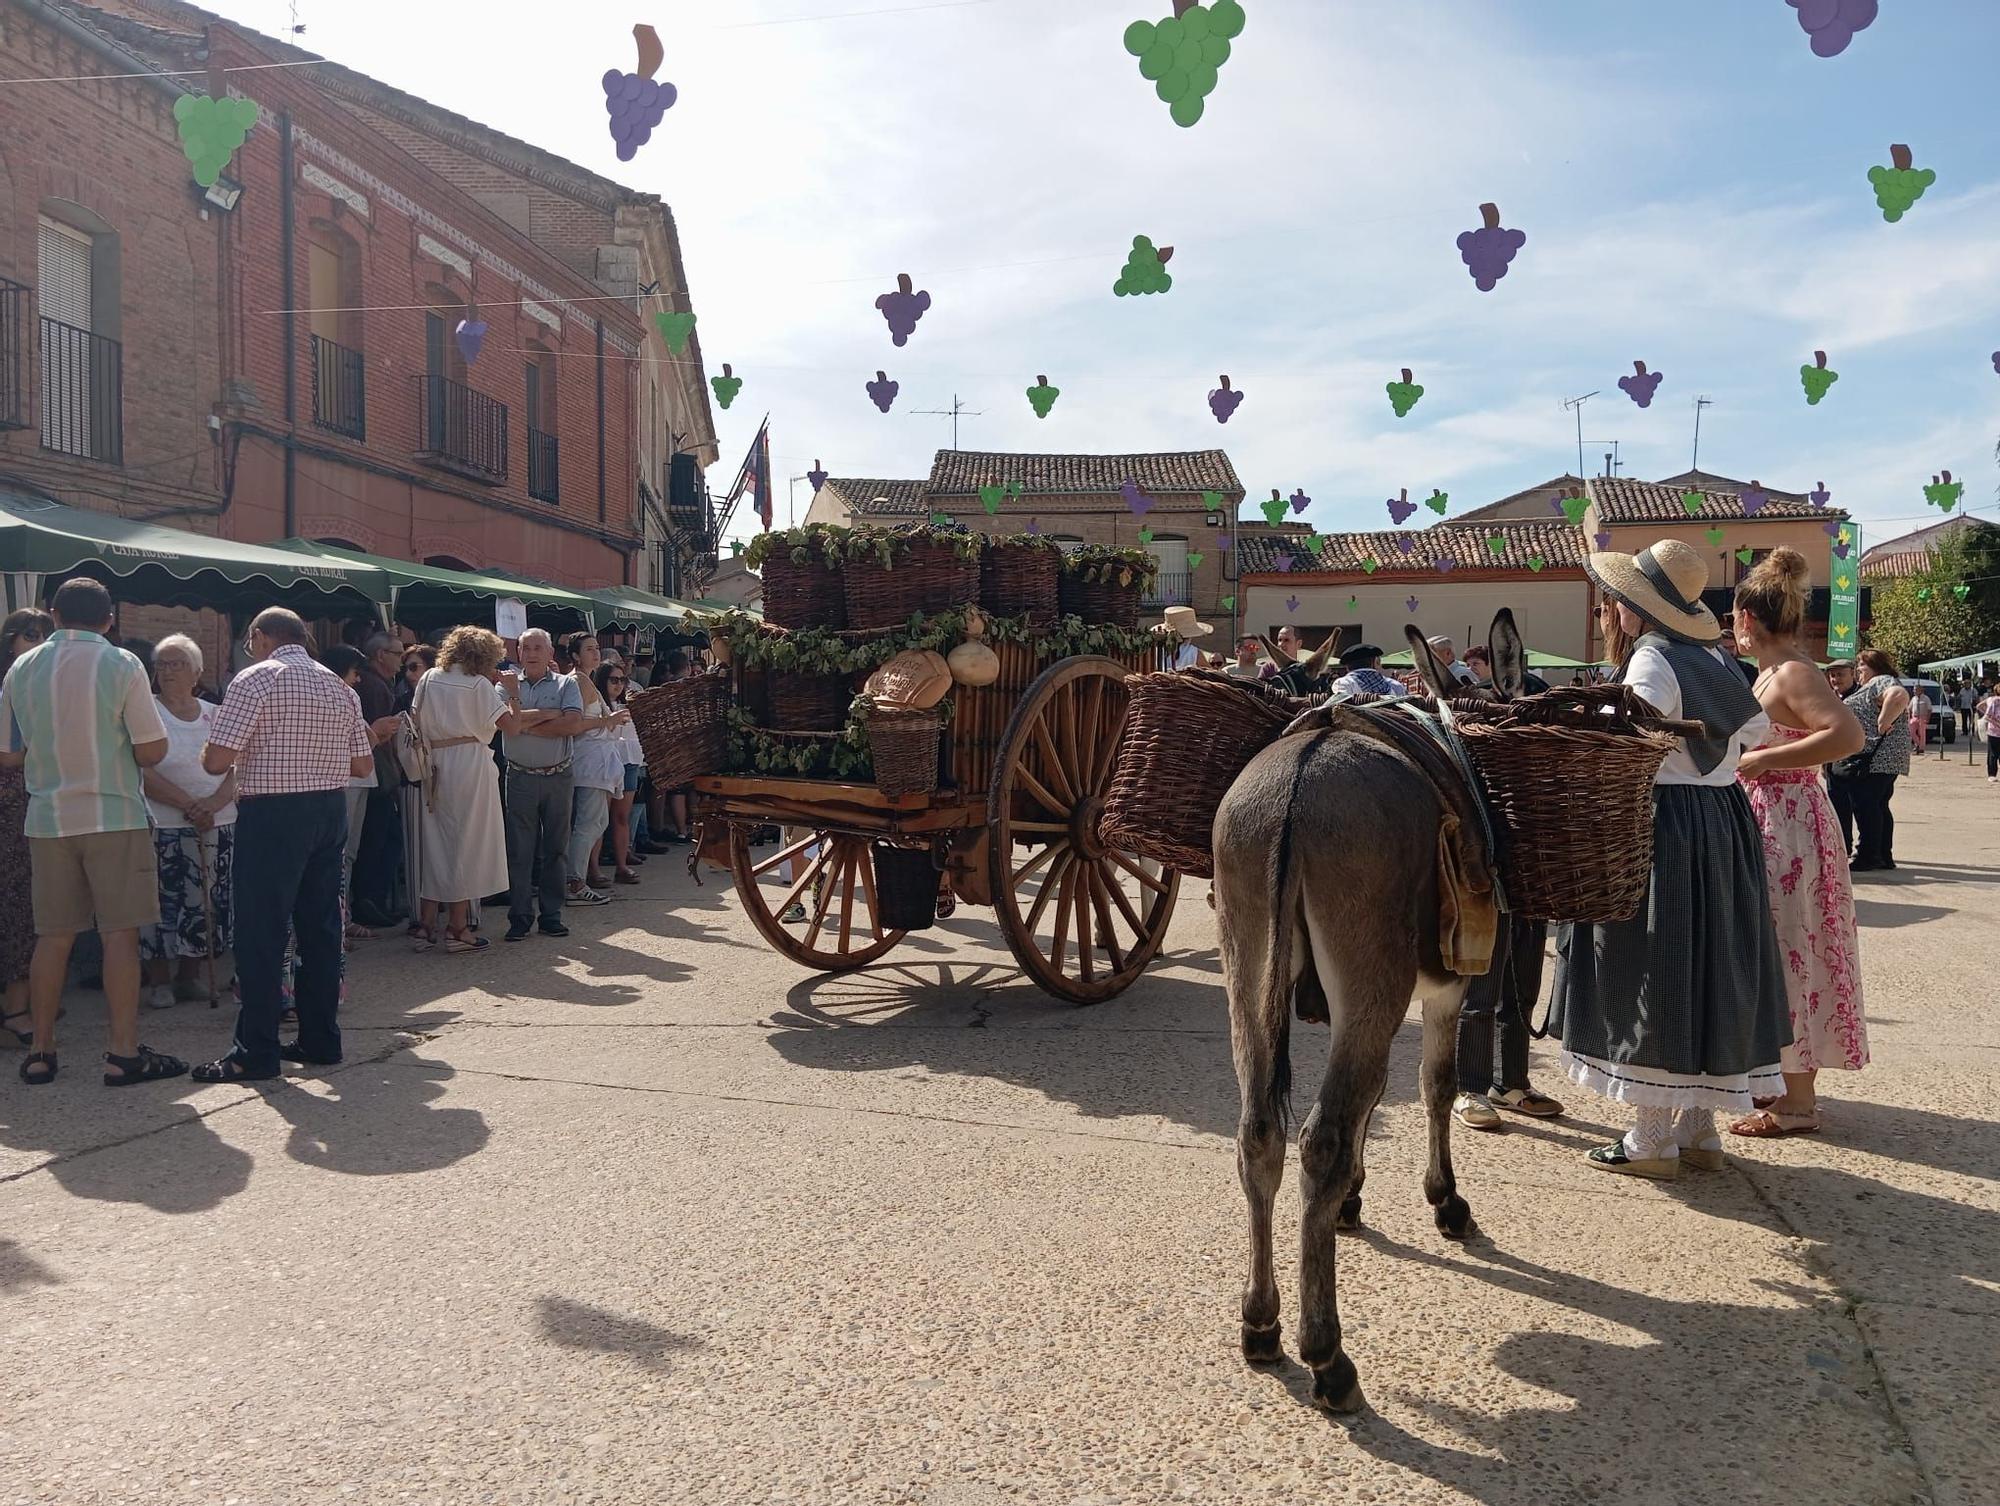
x=553, y=928
x=520, y=930
x=1474, y=1112
x=583, y=894
x=795, y=916
x=161, y=997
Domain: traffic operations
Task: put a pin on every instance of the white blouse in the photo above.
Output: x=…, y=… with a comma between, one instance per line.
x=182, y=767
x=1652, y=677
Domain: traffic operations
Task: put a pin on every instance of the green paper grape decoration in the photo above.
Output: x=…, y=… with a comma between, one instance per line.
x=1898, y=187
x=726, y=386
x=1181, y=53
x=211, y=130
x=1713, y=535
x=1229, y=603
x=1817, y=378
x=1194, y=559
x=1692, y=502
x=1042, y=397
x=674, y=329
x=1145, y=269
x=1745, y=555
x=1403, y=395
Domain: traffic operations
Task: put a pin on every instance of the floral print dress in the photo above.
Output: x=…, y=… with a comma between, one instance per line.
x=1812, y=910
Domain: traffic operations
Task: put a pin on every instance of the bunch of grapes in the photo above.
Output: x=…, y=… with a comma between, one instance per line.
x=1403, y=395
x=1181, y=53
x=1300, y=501
x=1145, y=269
x=635, y=102
x=1899, y=186
x=726, y=386
x=1943, y=492
x=1438, y=501
x=211, y=130
x=1692, y=502
x=1274, y=509
x=817, y=476
x=1641, y=385
x=1224, y=400
x=1401, y=508
x=1138, y=501
x=903, y=308
x=1042, y=397
x=1817, y=378
x=1446, y=564
x=1488, y=250
x=1574, y=508
x=882, y=392
x=1753, y=499
x=1819, y=496
x=1832, y=23
x=674, y=328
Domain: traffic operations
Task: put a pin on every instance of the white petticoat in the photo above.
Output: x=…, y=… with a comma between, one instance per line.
x=1655, y=1088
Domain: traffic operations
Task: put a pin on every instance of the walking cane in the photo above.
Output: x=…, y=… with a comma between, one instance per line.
x=207, y=910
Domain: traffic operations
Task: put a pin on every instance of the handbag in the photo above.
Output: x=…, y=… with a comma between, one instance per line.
x=413, y=752
x=1855, y=765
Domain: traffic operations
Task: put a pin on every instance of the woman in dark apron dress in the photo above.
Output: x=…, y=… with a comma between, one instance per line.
x=1681, y=1010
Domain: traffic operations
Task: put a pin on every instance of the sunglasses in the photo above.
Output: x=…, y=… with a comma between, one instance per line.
x=615, y=680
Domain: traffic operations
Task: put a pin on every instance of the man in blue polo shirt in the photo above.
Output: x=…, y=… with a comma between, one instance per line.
x=539, y=788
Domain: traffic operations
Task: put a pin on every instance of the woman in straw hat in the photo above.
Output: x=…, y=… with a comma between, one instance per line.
x=1681, y=1010
x=1185, y=624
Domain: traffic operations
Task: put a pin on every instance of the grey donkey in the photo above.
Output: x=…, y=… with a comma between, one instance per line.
x=1326, y=878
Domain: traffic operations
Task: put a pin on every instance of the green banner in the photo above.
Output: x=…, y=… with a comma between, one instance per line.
x=1843, y=617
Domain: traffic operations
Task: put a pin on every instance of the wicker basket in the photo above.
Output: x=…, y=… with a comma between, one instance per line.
x=906, y=888
x=800, y=596
x=808, y=703
x=1573, y=803
x=1187, y=736
x=1101, y=601
x=1021, y=580
x=903, y=745
x=928, y=576
x=683, y=726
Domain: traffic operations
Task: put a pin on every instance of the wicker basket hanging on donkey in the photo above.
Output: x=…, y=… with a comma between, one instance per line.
x=1186, y=738
x=683, y=726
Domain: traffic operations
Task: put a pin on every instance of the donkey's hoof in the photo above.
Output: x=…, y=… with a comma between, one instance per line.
x=1337, y=1388
x=1261, y=1346
x=1454, y=1218
x=1350, y=1215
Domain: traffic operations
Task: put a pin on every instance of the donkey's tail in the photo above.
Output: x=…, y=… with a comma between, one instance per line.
x=1284, y=887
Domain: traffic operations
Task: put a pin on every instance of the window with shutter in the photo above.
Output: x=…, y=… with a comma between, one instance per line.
x=65, y=274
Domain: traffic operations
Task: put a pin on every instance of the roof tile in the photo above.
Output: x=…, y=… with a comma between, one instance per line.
x=1620, y=499
x=875, y=498
x=960, y=473
x=1555, y=543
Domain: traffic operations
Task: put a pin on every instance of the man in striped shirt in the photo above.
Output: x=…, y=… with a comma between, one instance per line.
x=79, y=717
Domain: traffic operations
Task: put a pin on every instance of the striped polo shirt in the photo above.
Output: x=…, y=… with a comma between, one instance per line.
x=76, y=705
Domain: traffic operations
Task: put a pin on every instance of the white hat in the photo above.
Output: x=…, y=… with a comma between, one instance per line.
x=1183, y=620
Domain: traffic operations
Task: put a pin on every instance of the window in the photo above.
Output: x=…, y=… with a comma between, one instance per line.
x=458, y=429
x=82, y=368
x=543, y=459
x=1171, y=586
x=333, y=283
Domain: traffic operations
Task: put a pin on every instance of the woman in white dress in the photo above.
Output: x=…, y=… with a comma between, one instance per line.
x=457, y=708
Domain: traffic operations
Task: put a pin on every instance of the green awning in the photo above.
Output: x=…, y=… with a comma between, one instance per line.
x=150, y=564
x=432, y=590
x=628, y=606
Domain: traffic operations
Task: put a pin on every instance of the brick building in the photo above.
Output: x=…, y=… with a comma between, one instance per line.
x=276, y=356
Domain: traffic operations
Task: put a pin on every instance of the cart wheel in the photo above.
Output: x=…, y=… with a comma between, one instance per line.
x=833, y=883
x=1083, y=918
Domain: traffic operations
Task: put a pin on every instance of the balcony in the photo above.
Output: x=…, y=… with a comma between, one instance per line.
x=1170, y=588
x=83, y=394
x=543, y=481
x=460, y=430
x=13, y=358
x=339, y=389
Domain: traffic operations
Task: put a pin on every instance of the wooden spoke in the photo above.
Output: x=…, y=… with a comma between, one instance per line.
x=1062, y=913
x=1044, y=826
x=1050, y=885
x=1117, y=891
x=812, y=872
x=868, y=893
x=824, y=946
x=1041, y=793
x=1044, y=856
x=1091, y=737
x=822, y=900
x=1107, y=752
x=1086, y=962
x=1052, y=765
x=1106, y=931
x=1158, y=886
x=790, y=852
x=847, y=898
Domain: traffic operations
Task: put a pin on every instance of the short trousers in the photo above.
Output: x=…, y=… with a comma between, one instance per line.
x=109, y=880
x=633, y=771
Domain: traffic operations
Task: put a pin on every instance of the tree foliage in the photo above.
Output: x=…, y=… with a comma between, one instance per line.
x=1951, y=608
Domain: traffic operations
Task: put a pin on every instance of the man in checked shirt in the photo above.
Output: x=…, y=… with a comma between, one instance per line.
x=293, y=732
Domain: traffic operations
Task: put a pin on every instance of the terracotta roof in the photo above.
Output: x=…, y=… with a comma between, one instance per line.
x=1708, y=481
x=860, y=496
x=1620, y=499
x=1532, y=502
x=1559, y=547
x=1879, y=566
x=960, y=473
x=1917, y=545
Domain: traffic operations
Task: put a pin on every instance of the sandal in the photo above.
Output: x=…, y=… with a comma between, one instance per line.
x=421, y=938
x=39, y=1059
x=624, y=876
x=25, y=1037
x=457, y=946
x=1526, y=1101
x=147, y=1066
x=1615, y=1158
x=1769, y=1124
x=229, y=1069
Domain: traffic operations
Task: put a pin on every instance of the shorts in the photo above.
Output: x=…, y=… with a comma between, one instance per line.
x=109, y=880
x=632, y=773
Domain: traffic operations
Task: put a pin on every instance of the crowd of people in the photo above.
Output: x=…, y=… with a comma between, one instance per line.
x=323, y=798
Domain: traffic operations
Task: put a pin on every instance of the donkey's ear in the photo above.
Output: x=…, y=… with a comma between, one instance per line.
x=1429, y=665
x=1315, y=663
x=1510, y=655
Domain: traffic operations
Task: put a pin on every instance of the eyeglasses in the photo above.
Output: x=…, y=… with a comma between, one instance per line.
x=616, y=680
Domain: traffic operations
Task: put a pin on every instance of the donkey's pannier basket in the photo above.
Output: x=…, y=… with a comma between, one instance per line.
x=1186, y=738
x=906, y=887
x=1568, y=777
x=683, y=727
x=929, y=575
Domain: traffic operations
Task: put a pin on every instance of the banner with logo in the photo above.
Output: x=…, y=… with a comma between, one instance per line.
x=1843, y=616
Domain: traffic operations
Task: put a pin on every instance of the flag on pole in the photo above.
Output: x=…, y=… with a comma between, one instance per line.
x=753, y=477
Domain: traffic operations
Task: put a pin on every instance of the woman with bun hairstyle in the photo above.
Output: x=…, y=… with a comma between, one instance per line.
x=1805, y=860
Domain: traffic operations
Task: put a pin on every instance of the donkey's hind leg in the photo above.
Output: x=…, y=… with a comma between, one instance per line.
x=1440, y=1085
x=1260, y=1163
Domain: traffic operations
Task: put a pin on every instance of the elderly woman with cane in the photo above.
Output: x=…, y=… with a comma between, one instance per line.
x=194, y=826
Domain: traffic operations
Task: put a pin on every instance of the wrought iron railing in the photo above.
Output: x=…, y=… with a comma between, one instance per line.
x=1170, y=588
x=460, y=429
x=340, y=389
x=543, y=479
x=83, y=395
x=13, y=355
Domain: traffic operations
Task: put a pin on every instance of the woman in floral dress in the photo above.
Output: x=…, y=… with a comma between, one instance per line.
x=20, y=632
x=1812, y=904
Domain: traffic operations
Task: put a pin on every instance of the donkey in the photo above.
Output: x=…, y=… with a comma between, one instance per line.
x=1326, y=877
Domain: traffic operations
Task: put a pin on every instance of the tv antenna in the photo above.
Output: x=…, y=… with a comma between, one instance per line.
x=1700, y=402
x=954, y=413
x=1575, y=405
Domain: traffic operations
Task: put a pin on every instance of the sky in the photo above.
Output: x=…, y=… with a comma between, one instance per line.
x=1690, y=177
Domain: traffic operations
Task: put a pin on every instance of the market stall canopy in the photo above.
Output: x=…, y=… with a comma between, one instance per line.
x=147, y=564
x=628, y=606
x=1963, y=661
x=430, y=596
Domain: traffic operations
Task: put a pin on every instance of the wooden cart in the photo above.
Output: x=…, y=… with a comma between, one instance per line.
x=1014, y=824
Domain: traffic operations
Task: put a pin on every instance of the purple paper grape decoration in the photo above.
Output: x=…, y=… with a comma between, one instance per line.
x=1225, y=542
x=1401, y=508
x=1753, y=499
x=882, y=391
x=1446, y=564
x=816, y=476
x=1840, y=549
x=1138, y=501
x=1602, y=539
x=635, y=102
x=1996, y=360
x=1033, y=528
x=1819, y=496
x=1488, y=250
x=1291, y=603
x=1405, y=543
x=903, y=308
x=1300, y=501
x=1831, y=528
x=1281, y=561
x=1832, y=23
x=471, y=336
x=1225, y=400
x=1641, y=385
x=1412, y=603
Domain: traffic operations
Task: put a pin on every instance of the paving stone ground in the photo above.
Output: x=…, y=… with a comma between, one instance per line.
x=649, y=1215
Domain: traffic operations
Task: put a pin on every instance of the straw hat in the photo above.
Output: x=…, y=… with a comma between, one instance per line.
x=1182, y=620
x=916, y=680
x=1663, y=584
